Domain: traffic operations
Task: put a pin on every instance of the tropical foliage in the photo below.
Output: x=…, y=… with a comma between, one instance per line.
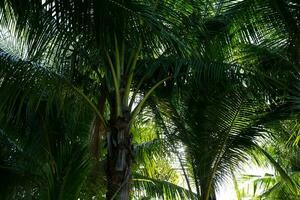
x=144, y=99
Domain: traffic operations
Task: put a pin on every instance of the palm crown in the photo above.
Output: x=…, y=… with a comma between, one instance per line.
x=213, y=74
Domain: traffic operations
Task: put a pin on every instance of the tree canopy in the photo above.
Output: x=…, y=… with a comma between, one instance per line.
x=144, y=99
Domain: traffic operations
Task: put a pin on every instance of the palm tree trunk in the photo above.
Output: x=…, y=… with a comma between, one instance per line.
x=119, y=159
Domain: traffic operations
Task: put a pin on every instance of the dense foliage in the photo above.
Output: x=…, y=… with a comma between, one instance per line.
x=144, y=99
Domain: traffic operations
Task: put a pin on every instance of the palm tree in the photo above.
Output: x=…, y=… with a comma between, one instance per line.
x=220, y=118
x=110, y=56
x=89, y=51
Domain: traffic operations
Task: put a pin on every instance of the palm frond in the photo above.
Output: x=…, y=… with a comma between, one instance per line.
x=150, y=187
x=25, y=85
